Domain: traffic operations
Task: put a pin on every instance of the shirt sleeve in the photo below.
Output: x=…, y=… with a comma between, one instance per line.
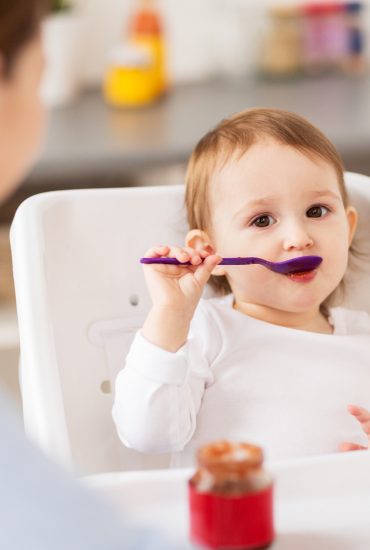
x=158, y=394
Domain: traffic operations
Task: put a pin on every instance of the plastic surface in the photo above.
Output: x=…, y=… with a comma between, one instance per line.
x=81, y=296
x=295, y=265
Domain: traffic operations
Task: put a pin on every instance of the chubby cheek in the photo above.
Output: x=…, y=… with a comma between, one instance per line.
x=334, y=269
x=335, y=254
x=228, y=244
x=253, y=282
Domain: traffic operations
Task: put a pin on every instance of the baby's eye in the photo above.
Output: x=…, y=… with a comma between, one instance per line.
x=317, y=211
x=263, y=221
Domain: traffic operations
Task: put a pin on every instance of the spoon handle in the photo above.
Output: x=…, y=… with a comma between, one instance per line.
x=224, y=261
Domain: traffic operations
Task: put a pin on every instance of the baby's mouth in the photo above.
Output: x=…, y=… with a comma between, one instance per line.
x=302, y=276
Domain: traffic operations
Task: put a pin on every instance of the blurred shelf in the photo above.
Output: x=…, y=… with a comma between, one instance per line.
x=92, y=144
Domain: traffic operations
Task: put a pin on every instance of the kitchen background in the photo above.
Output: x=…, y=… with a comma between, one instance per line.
x=204, y=37
x=220, y=56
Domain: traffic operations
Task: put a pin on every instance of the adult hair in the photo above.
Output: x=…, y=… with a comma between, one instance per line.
x=232, y=138
x=19, y=22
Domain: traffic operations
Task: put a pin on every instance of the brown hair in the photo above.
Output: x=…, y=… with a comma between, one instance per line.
x=19, y=23
x=234, y=136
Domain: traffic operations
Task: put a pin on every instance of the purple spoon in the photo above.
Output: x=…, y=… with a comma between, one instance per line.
x=295, y=265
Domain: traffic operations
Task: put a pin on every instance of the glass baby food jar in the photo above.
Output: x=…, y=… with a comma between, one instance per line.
x=231, y=498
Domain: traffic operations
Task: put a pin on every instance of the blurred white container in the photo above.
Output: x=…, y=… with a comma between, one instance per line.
x=61, y=38
x=236, y=36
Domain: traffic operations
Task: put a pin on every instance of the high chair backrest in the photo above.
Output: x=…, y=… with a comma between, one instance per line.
x=81, y=296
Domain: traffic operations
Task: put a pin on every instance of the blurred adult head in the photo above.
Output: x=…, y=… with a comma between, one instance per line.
x=21, y=111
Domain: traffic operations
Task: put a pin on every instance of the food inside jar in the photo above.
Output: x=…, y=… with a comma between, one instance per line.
x=230, y=468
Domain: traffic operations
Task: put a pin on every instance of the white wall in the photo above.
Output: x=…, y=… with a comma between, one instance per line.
x=204, y=37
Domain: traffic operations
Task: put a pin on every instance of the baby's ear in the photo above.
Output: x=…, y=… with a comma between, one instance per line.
x=352, y=218
x=199, y=239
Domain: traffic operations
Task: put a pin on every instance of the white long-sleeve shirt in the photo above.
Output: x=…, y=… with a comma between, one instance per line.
x=244, y=379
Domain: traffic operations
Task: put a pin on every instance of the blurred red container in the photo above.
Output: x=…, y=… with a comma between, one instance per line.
x=231, y=498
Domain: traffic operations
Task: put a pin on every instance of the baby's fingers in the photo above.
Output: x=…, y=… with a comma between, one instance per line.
x=362, y=415
x=186, y=254
x=195, y=256
x=161, y=251
x=347, y=446
x=204, y=271
x=157, y=251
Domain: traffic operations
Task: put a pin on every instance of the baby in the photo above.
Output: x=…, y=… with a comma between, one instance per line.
x=268, y=360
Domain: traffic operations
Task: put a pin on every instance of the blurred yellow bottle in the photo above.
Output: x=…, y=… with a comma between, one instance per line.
x=129, y=77
x=146, y=30
x=136, y=73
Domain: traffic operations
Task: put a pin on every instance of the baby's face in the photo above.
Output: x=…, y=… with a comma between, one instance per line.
x=276, y=203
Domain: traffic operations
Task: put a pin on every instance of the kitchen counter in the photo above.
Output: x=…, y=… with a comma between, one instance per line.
x=89, y=140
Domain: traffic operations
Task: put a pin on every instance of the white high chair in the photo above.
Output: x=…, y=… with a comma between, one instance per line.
x=80, y=297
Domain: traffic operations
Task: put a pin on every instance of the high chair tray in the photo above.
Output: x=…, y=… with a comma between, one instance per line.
x=321, y=503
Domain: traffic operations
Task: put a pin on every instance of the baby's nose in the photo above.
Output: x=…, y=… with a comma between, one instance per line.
x=297, y=237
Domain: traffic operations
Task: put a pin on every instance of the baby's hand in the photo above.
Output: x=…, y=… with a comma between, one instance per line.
x=175, y=292
x=178, y=287
x=363, y=417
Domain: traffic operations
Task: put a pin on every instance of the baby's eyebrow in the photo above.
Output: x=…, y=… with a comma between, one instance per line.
x=325, y=193
x=261, y=201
